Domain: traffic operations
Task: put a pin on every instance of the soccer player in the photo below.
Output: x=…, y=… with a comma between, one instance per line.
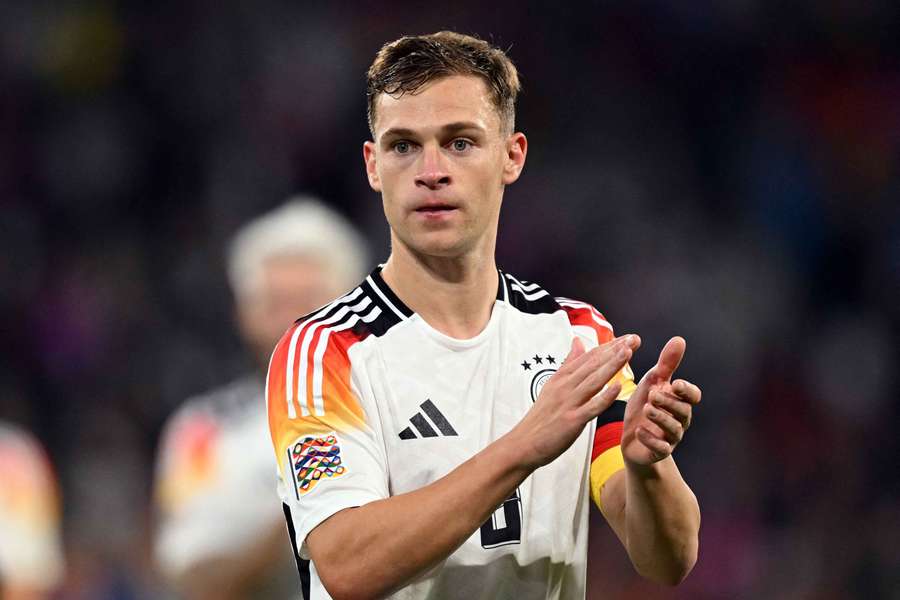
x=221, y=532
x=440, y=428
x=31, y=558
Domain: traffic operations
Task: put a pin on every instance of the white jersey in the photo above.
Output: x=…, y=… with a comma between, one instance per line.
x=30, y=546
x=214, y=485
x=367, y=401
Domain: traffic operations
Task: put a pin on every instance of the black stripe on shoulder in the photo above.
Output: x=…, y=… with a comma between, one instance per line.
x=384, y=321
x=613, y=414
x=386, y=293
x=529, y=297
x=373, y=315
x=351, y=298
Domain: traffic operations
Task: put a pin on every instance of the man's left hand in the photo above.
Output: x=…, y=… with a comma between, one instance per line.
x=659, y=412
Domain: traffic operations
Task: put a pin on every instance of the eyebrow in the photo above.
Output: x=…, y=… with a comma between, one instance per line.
x=448, y=128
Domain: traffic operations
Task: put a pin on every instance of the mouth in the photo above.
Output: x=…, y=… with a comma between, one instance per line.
x=435, y=208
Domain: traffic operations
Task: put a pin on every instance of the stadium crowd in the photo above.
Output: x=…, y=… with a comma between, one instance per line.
x=729, y=172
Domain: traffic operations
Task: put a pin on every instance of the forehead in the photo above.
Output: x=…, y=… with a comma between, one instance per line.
x=453, y=99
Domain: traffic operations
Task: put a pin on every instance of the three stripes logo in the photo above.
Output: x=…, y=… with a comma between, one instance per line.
x=426, y=426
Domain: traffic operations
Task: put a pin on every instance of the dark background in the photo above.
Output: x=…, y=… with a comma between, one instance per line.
x=726, y=171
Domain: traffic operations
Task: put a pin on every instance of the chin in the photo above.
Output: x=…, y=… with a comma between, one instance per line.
x=439, y=245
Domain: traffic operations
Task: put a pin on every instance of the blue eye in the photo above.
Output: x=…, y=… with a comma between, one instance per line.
x=461, y=145
x=401, y=147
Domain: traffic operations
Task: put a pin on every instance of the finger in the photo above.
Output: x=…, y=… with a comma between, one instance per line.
x=652, y=428
x=574, y=358
x=576, y=350
x=599, y=373
x=659, y=447
x=672, y=430
x=598, y=356
x=600, y=402
x=669, y=359
x=687, y=391
x=675, y=406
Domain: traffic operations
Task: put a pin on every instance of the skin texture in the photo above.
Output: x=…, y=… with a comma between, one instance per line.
x=648, y=504
x=443, y=147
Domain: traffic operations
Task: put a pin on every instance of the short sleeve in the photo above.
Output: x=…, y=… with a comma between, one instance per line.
x=606, y=455
x=30, y=545
x=329, y=451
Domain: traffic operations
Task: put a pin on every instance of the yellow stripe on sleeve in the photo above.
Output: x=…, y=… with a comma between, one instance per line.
x=603, y=467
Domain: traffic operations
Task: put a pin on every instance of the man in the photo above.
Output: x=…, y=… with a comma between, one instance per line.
x=31, y=558
x=221, y=533
x=440, y=428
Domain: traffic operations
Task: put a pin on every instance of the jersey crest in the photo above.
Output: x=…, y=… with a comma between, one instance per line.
x=541, y=368
x=314, y=459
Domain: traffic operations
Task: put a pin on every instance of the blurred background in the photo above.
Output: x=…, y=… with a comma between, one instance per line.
x=726, y=171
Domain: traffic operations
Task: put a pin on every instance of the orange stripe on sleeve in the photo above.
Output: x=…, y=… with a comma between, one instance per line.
x=342, y=408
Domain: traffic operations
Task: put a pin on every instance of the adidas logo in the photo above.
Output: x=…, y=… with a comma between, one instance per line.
x=424, y=426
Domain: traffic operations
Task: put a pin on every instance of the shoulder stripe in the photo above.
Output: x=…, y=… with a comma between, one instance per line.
x=528, y=297
x=308, y=335
x=523, y=286
x=539, y=293
x=595, y=315
x=318, y=368
x=292, y=346
x=385, y=298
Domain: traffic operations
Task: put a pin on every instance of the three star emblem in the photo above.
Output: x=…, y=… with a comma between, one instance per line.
x=538, y=360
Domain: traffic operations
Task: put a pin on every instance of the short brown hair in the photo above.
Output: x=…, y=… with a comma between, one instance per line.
x=410, y=63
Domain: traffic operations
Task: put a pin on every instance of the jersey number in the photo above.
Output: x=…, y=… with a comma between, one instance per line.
x=505, y=525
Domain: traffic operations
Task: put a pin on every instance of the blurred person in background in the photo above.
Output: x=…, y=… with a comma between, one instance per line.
x=221, y=533
x=31, y=559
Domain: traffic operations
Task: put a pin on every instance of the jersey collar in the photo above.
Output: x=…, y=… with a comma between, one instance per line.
x=394, y=303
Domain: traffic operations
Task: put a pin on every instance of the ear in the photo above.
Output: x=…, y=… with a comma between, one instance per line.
x=371, y=171
x=516, y=149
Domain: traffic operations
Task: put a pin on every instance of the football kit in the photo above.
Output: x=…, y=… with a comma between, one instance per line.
x=30, y=546
x=214, y=484
x=367, y=401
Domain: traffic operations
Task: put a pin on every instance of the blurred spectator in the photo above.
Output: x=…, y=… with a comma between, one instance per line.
x=31, y=559
x=222, y=531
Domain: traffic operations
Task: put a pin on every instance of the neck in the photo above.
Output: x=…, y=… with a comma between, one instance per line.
x=454, y=295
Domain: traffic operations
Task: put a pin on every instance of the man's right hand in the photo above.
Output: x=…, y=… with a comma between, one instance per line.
x=575, y=395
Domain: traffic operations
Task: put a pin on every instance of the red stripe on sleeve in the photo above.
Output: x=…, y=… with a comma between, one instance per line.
x=608, y=436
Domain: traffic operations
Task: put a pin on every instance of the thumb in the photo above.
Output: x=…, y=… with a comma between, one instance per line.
x=669, y=359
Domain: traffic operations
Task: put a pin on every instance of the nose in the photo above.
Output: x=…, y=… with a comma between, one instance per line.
x=432, y=173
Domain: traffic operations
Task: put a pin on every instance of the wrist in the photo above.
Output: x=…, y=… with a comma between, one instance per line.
x=516, y=451
x=645, y=472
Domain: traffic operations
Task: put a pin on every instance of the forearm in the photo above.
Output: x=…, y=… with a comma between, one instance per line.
x=369, y=551
x=659, y=519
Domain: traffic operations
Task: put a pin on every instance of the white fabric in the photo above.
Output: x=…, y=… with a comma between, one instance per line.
x=483, y=390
